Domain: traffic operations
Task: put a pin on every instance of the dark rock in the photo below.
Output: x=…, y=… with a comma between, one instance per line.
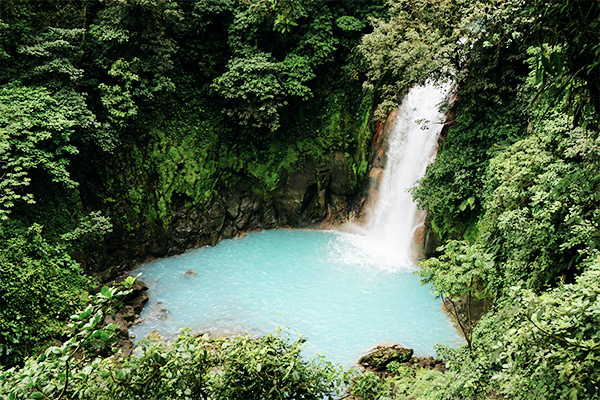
x=310, y=209
x=109, y=274
x=122, y=326
x=427, y=363
x=228, y=231
x=162, y=312
x=291, y=197
x=124, y=348
x=324, y=179
x=139, y=286
x=232, y=207
x=340, y=183
x=128, y=313
x=249, y=204
x=174, y=250
x=418, y=243
x=215, y=212
x=139, y=303
x=183, y=230
x=159, y=248
x=269, y=217
x=193, y=215
x=214, y=238
x=137, y=289
x=159, y=242
x=190, y=272
x=431, y=240
x=241, y=220
x=379, y=358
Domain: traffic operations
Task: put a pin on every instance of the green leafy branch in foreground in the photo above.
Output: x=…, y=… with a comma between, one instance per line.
x=58, y=372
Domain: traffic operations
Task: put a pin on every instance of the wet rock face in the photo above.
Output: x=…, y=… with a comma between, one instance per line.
x=340, y=182
x=295, y=193
x=302, y=198
x=315, y=193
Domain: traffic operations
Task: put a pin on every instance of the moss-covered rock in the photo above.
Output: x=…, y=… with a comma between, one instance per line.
x=381, y=356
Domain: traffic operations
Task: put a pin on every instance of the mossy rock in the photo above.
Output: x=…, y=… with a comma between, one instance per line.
x=379, y=358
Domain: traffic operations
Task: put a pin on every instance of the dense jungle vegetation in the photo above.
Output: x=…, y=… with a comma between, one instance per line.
x=115, y=112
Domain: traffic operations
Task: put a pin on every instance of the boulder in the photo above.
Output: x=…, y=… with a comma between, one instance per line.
x=295, y=194
x=241, y=221
x=379, y=358
x=138, y=288
x=427, y=363
x=128, y=313
x=228, y=230
x=124, y=348
x=139, y=302
x=418, y=243
x=159, y=247
x=108, y=274
x=122, y=326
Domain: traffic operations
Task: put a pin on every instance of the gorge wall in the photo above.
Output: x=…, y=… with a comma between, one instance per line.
x=324, y=190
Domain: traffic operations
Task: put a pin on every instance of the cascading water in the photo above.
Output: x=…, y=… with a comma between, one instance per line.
x=391, y=219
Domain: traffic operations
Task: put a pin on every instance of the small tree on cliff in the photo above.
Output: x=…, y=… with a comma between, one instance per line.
x=457, y=276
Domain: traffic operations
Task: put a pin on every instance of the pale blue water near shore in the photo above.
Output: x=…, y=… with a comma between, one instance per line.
x=319, y=283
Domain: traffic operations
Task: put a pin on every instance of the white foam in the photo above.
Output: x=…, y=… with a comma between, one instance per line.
x=391, y=220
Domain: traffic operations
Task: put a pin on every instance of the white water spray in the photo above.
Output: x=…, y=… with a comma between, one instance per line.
x=391, y=220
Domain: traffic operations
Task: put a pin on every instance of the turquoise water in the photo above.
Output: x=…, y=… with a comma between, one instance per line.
x=313, y=282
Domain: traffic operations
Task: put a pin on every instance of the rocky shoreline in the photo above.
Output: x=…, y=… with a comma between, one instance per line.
x=127, y=315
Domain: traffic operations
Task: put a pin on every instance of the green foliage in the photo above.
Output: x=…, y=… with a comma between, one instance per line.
x=415, y=42
x=349, y=23
x=40, y=285
x=93, y=224
x=516, y=176
x=272, y=368
x=533, y=346
x=483, y=45
x=539, y=204
x=36, y=132
x=139, y=29
x=568, y=59
x=118, y=98
x=3, y=41
x=191, y=367
x=552, y=346
x=261, y=85
x=402, y=383
x=461, y=271
x=50, y=373
x=452, y=188
x=55, y=55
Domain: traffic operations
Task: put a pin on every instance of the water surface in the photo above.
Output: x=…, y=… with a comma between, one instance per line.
x=318, y=283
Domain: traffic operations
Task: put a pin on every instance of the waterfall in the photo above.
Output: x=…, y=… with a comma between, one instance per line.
x=392, y=216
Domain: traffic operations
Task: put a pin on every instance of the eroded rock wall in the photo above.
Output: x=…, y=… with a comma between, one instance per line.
x=314, y=193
